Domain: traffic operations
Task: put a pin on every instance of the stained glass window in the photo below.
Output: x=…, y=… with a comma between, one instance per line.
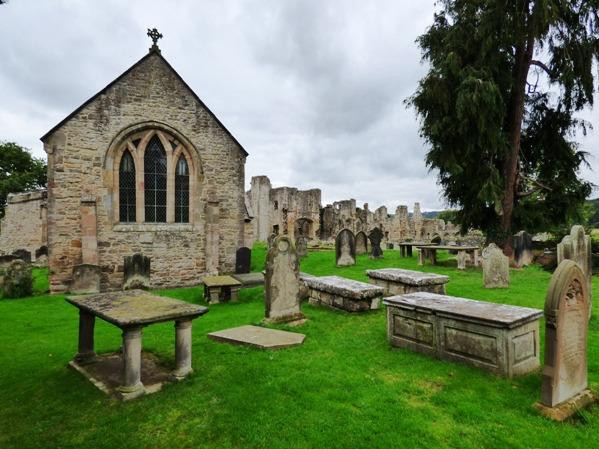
x=127, y=189
x=182, y=191
x=155, y=181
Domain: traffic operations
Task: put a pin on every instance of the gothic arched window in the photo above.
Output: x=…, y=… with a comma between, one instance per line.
x=182, y=191
x=127, y=189
x=155, y=181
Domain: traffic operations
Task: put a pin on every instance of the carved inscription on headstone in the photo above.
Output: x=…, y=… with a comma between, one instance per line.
x=566, y=315
x=282, y=287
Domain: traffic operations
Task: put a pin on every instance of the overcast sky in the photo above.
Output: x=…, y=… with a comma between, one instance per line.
x=313, y=90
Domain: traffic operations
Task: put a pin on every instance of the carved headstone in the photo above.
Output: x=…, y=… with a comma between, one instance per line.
x=564, y=381
x=86, y=279
x=376, y=236
x=522, y=244
x=577, y=247
x=496, y=267
x=281, y=282
x=361, y=243
x=243, y=260
x=301, y=246
x=345, y=248
x=136, y=272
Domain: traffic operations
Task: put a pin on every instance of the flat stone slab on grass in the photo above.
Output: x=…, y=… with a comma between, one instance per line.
x=259, y=337
x=250, y=279
x=220, y=281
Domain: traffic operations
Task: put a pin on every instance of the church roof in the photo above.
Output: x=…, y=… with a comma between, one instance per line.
x=116, y=80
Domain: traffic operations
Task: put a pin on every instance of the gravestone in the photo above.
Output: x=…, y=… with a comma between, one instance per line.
x=522, y=244
x=243, y=260
x=22, y=254
x=281, y=282
x=86, y=279
x=463, y=259
x=496, y=267
x=375, y=236
x=17, y=281
x=136, y=272
x=361, y=243
x=577, y=247
x=301, y=246
x=564, y=380
x=345, y=248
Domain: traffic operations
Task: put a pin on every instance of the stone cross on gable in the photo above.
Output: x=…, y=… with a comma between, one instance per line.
x=154, y=35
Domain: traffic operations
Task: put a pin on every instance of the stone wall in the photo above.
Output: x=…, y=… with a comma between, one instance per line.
x=83, y=157
x=24, y=223
x=279, y=210
x=283, y=210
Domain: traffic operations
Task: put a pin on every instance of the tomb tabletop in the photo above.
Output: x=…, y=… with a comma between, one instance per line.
x=407, y=276
x=449, y=247
x=220, y=281
x=502, y=315
x=135, y=307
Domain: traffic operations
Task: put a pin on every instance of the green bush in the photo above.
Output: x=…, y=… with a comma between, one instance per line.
x=18, y=280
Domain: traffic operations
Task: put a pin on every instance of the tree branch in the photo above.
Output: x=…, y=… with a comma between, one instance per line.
x=543, y=66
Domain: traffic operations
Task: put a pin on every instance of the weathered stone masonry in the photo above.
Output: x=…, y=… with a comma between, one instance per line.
x=24, y=223
x=83, y=156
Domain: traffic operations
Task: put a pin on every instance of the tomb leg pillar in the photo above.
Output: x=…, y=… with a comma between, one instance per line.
x=214, y=295
x=421, y=256
x=182, y=350
x=234, y=294
x=86, y=352
x=132, y=386
x=476, y=258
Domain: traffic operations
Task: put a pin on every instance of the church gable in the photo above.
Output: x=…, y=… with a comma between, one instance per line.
x=149, y=81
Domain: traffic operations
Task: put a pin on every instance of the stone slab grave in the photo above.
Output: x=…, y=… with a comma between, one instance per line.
x=281, y=282
x=464, y=253
x=220, y=289
x=136, y=271
x=577, y=247
x=345, y=248
x=123, y=373
x=376, y=236
x=564, y=388
x=496, y=267
x=258, y=337
x=86, y=279
x=522, y=244
x=342, y=293
x=250, y=279
x=361, y=243
x=243, y=260
x=397, y=281
x=500, y=338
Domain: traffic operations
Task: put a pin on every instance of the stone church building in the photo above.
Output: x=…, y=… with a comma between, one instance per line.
x=144, y=167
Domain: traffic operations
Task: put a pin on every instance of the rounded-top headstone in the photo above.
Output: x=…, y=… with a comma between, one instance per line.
x=281, y=281
x=566, y=328
x=345, y=248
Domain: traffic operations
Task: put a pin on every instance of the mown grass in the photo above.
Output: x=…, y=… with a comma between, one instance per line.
x=344, y=388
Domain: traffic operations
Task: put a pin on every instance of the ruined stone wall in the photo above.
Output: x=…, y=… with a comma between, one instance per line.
x=81, y=182
x=283, y=210
x=24, y=223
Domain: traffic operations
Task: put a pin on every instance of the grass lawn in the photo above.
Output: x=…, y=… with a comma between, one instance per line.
x=344, y=388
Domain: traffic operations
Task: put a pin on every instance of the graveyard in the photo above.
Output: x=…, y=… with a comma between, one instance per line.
x=345, y=386
x=299, y=224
